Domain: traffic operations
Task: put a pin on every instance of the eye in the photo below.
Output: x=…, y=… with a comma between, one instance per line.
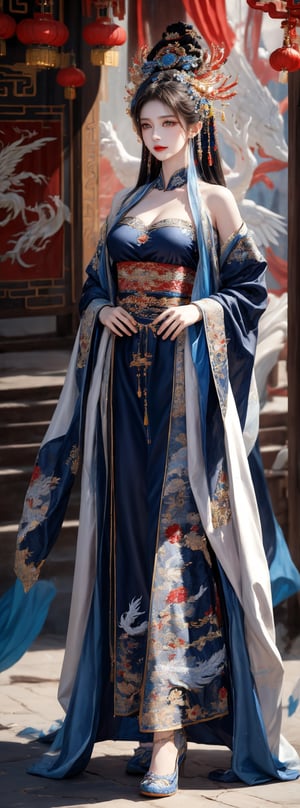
x=170, y=123
x=145, y=125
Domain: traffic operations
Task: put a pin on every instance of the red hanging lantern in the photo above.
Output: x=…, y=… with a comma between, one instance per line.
x=103, y=36
x=7, y=29
x=43, y=35
x=287, y=58
x=70, y=77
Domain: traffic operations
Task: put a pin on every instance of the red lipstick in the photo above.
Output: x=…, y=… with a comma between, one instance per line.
x=159, y=148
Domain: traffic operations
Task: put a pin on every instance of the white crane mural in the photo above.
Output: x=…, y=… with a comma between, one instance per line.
x=41, y=221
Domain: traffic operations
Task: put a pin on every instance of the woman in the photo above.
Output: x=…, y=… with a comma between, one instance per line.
x=171, y=630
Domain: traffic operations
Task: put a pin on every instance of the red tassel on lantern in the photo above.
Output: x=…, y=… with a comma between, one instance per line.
x=44, y=36
x=70, y=77
x=7, y=29
x=103, y=36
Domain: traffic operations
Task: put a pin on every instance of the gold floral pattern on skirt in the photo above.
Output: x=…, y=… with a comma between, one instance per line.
x=183, y=678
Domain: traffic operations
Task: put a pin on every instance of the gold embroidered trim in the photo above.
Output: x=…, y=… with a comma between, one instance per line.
x=147, y=276
x=74, y=459
x=139, y=224
x=86, y=330
x=148, y=305
x=28, y=574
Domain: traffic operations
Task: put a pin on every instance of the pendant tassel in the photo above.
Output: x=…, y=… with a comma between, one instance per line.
x=143, y=359
x=139, y=391
x=146, y=418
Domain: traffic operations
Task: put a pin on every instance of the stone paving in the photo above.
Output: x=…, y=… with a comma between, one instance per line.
x=28, y=699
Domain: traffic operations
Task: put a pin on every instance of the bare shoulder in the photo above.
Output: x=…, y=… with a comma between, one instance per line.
x=223, y=209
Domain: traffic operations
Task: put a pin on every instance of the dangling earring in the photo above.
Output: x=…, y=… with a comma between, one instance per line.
x=209, y=157
x=149, y=161
x=199, y=147
x=204, y=140
x=211, y=138
x=146, y=163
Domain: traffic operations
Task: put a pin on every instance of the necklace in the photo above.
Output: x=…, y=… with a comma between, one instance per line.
x=178, y=178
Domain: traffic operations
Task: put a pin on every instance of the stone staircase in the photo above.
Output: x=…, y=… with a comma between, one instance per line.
x=25, y=413
x=273, y=436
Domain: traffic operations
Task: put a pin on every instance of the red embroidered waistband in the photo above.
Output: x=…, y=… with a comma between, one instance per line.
x=150, y=276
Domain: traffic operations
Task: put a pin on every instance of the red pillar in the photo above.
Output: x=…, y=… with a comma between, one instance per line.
x=294, y=335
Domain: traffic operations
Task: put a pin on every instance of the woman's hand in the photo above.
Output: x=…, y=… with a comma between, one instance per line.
x=175, y=319
x=118, y=320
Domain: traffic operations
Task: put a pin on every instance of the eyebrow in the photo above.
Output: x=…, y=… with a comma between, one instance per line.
x=171, y=115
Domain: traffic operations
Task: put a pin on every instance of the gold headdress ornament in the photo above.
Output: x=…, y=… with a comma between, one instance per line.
x=205, y=82
x=179, y=56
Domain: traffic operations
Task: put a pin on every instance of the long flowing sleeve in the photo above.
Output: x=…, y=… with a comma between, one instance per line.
x=224, y=487
x=60, y=453
x=223, y=346
x=63, y=446
x=243, y=296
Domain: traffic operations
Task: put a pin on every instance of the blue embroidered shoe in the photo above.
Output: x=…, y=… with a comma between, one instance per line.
x=165, y=785
x=140, y=761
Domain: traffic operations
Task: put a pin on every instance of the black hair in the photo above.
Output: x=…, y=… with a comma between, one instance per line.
x=188, y=38
x=163, y=86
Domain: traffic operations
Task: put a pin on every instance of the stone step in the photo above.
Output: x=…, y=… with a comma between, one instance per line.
x=22, y=433
x=34, y=391
x=273, y=435
x=268, y=454
x=278, y=487
x=18, y=454
x=270, y=418
x=25, y=411
x=28, y=397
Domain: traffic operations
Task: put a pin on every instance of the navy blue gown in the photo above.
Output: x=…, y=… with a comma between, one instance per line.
x=164, y=643
x=189, y=673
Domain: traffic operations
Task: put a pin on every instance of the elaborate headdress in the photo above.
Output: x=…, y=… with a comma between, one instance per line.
x=180, y=57
x=181, y=54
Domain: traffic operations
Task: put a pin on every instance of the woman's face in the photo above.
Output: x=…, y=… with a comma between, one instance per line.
x=164, y=135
